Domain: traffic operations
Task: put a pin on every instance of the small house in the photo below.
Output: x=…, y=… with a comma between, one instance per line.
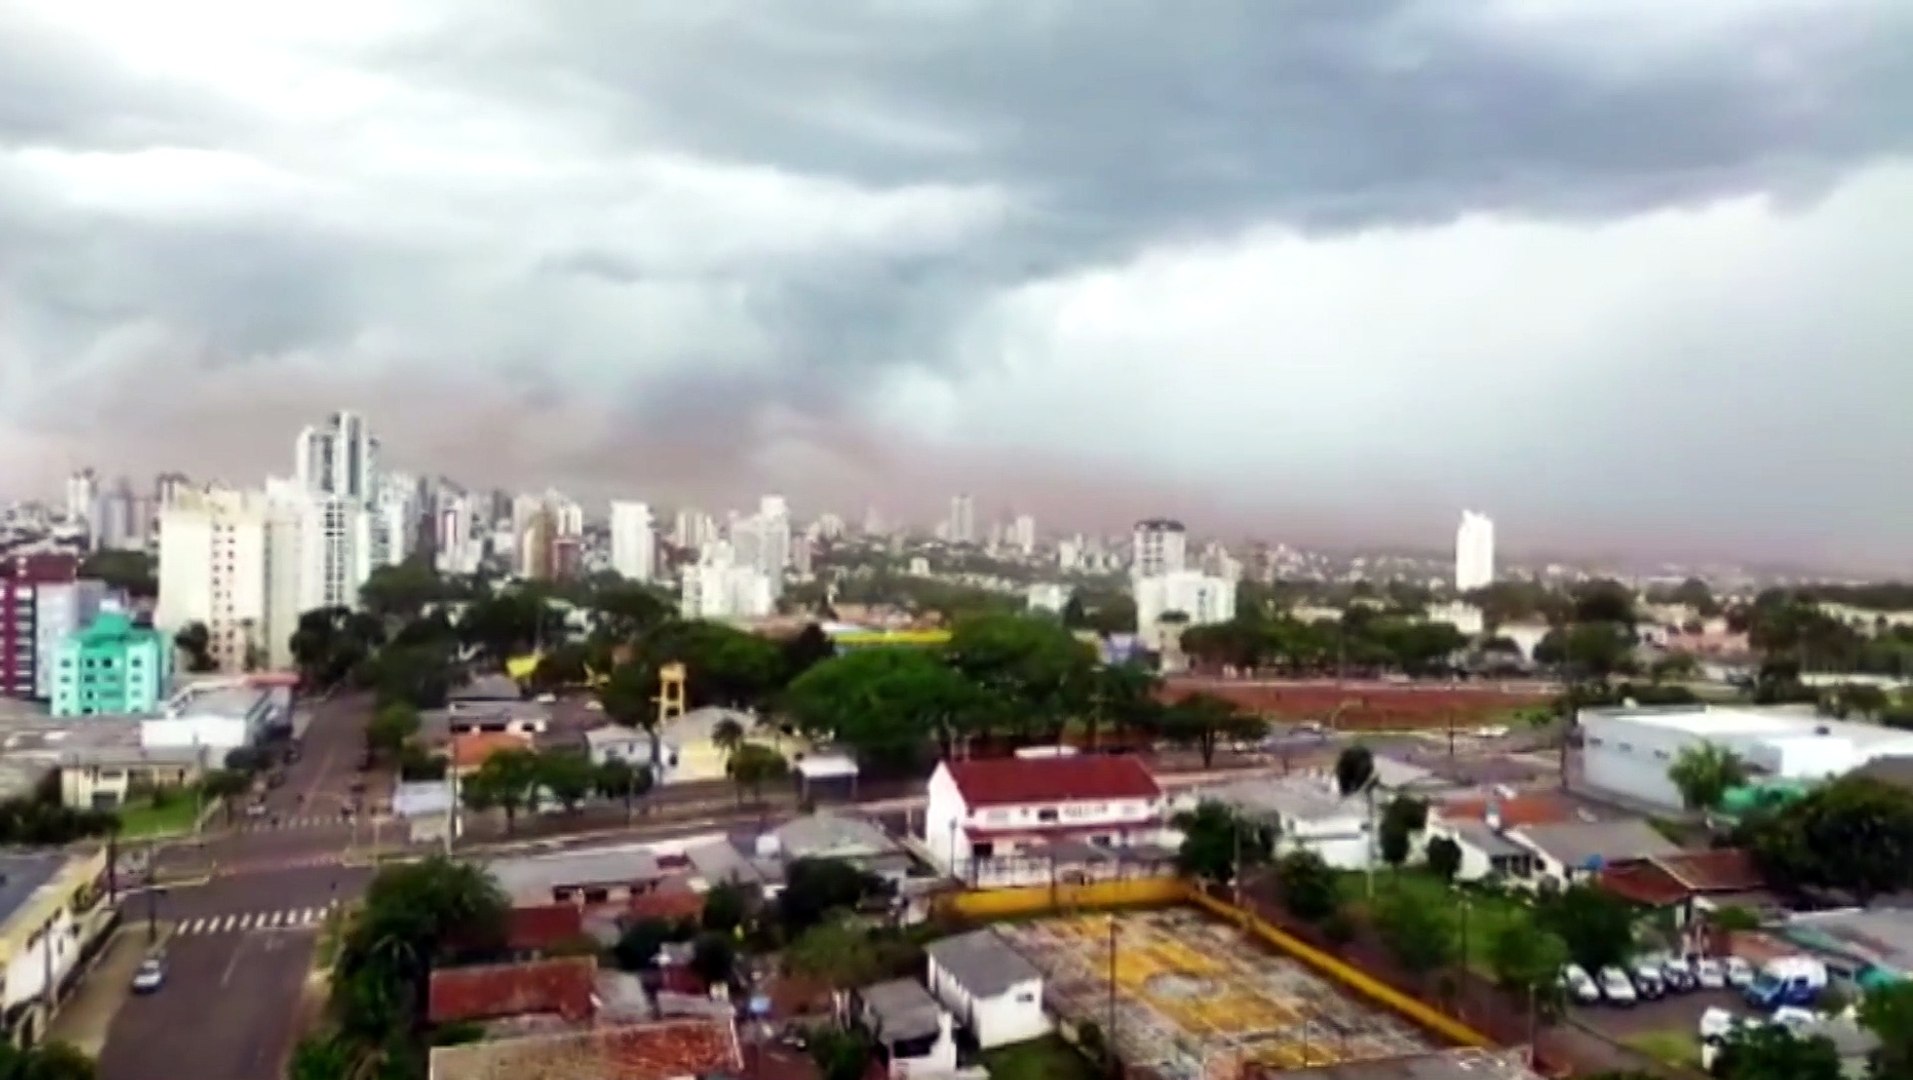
x=990, y=987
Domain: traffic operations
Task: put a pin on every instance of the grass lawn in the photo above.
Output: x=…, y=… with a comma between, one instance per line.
x=1047, y=1058
x=1675, y=1046
x=1487, y=916
x=144, y=819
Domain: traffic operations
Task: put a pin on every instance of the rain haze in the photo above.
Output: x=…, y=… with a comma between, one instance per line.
x=1630, y=275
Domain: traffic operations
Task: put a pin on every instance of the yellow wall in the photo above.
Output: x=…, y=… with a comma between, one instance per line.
x=1157, y=892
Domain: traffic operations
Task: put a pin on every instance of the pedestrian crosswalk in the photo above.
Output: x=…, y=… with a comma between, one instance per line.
x=299, y=821
x=239, y=923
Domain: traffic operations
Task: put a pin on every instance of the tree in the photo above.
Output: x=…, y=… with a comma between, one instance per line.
x=713, y=958
x=1401, y=820
x=1705, y=772
x=420, y=674
x=414, y=915
x=390, y=728
x=814, y=888
x=1853, y=834
x=752, y=765
x=1772, y=1052
x=620, y=779
x=1444, y=858
x=196, y=642
x=1124, y=697
x=836, y=953
x=1217, y=843
x=1419, y=934
x=401, y=591
x=1887, y=1011
x=568, y=775
x=225, y=785
x=727, y=735
x=888, y=704
x=48, y=1061
x=508, y=780
x=1308, y=886
x=726, y=906
x=1354, y=768
x=809, y=648
x=134, y=573
x=841, y=1054
x=637, y=947
x=1526, y=958
x=1204, y=720
x=321, y=1057
x=1596, y=926
x=1035, y=662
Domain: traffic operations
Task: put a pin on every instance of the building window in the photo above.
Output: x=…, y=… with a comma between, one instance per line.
x=1046, y=814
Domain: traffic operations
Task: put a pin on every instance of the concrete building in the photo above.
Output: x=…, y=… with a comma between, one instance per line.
x=1198, y=598
x=459, y=547
x=1628, y=751
x=82, y=496
x=1048, y=596
x=52, y=909
x=1000, y=822
x=337, y=551
x=913, y=1031
x=212, y=570
x=338, y=458
x=1023, y=534
x=988, y=986
x=61, y=608
x=24, y=580
x=1309, y=810
x=112, y=667
x=960, y=527
x=216, y=718
x=1474, y=551
x=717, y=587
x=762, y=542
x=634, y=542
x=1159, y=546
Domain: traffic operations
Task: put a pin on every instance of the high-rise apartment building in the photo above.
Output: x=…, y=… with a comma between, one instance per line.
x=1023, y=534
x=24, y=581
x=338, y=457
x=761, y=541
x=961, y=526
x=213, y=570
x=719, y=586
x=537, y=547
x=1474, y=552
x=634, y=544
x=459, y=545
x=1159, y=546
x=111, y=667
x=82, y=495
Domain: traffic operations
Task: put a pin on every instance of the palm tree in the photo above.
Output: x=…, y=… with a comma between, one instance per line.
x=727, y=735
x=1705, y=773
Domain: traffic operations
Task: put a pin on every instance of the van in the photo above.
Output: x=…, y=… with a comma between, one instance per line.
x=1789, y=980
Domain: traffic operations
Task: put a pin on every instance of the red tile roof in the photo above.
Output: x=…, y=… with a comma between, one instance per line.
x=671, y=900
x=494, y=991
x=664, y=1050
x=471, y=749
x=1670, y=879
x=1022, y=781
x=1525, y=808
x=543, y=926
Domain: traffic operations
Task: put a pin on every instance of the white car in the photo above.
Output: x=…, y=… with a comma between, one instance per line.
x=1580, y=985
x=1718, y=1023
x=1796, y=1019
x=1616, y=987
x=1740, y=974
x=150, y=976
x=1710, y=973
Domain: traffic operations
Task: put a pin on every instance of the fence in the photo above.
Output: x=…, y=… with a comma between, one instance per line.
x=1038, y=899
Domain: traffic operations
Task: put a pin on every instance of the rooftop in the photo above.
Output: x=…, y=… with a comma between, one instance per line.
x=901, y=1009
x=23, y=873
x=1672, y=878
x=1441, y=1065
x=534, y=877
x=1778, y=722
x=665, y=1050
x=471, y=750
x=1290, y=798
x=492, y=991
x=1522, y=809
x=1024, y=781
x=829, y=834
x=982, y=962
x=543, y=926
x=1580, y=844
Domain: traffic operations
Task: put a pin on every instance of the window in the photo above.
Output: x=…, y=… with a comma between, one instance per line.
x=1047, y=813
x=597, y=895
x=1025, y=998
x=983, y=850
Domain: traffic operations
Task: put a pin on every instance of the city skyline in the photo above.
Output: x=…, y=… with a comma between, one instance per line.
x=851, y=278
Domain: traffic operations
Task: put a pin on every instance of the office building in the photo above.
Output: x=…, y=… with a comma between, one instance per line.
x=339, y=458
x=634, y=550
x=1159, y=546
x=21, y=579
x=111, y=667
x=1474, y=552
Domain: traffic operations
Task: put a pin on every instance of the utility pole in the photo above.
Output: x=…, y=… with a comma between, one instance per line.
x=152, y=897
x=1109, y=1042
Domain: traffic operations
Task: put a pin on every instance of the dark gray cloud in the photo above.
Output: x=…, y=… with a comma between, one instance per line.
x=702, y=232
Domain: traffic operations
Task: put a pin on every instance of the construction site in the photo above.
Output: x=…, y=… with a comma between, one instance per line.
x=1195, y=998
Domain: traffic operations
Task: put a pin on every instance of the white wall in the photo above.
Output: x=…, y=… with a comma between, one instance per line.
x=27, y=970
x=1013, y=1016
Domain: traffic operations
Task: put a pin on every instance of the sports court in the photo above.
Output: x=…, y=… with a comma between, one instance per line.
x=1196, y=999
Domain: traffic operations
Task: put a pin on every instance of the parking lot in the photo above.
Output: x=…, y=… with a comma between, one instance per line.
x=1668, y=1028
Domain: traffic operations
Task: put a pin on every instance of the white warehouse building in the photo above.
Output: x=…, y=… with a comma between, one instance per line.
x=1628, y=751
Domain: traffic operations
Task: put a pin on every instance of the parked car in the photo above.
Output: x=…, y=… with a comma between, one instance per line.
x=150, y=976
x=1615, y=987
x=1647, y=981
x=1740, y=974
x=1579, y=985
x=1677, y=974
x=1709, y=973
x=1789, y=980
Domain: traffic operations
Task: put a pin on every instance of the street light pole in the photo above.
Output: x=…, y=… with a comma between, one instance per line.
x=1109, y=1043
x=152, y=896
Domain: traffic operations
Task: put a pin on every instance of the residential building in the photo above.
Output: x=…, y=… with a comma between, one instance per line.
x=22, y=579
x=911, y=1030
x=394, y=518
x=1474, y=552
x=1009, y=821
x=588, y=876
x=674, y=1049
x=1692, y=882
x=615, y=742
x=112, y=667
x=1478, y=826
x=61, y=608
x=717, y=587
x=1573, y=851
x=212, y=570
x=1023, y=534
x=762, y=541
x=1048, y=596
x=1159, y=546
x=1628, y=751
x=1309, y=810
x=634, y=550
x=988, y=986
x=560, y=988
x=52, y=909
x=105, y=777
x=458, y=547
x=843, y=837
x=1168, y=603
x=338, y=458
x=82, y=496
x=536, y=546
x=960, y=528
x=216, y=718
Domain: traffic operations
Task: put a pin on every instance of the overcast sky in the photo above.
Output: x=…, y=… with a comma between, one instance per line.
x=1627, y=275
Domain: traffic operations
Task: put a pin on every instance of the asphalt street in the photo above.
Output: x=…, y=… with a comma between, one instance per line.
x=225, y=1013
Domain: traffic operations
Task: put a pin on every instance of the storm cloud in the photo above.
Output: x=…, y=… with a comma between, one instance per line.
x=1627, y=274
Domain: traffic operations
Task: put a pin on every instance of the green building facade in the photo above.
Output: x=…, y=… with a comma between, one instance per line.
x=112, y=667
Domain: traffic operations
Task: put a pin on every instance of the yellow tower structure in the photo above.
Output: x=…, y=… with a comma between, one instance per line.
x=671, y=683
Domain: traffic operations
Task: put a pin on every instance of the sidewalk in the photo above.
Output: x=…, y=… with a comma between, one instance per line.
x=86, y=1016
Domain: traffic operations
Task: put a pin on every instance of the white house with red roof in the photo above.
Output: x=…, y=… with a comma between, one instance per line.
x=1012, y=821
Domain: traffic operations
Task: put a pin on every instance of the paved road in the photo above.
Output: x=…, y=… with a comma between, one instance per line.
x=226, y=1012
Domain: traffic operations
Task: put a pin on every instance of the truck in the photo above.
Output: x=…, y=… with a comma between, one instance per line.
x=1789, y=980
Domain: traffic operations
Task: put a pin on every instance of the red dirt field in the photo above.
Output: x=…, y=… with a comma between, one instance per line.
x=1369, y=705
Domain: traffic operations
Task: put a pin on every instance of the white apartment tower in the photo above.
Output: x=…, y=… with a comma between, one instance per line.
x=213, y=570
x=1023, y=534
x=761, y=541
x=1474, y=552
x=634, y=547
x=1160, y=546
x=82, y=495
x=339, y=457
x=961, y=528
x=719, y=587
